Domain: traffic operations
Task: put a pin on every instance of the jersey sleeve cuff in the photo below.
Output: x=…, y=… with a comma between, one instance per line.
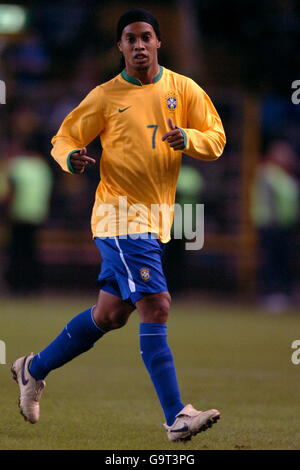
x=69, y=164
x=184, y=137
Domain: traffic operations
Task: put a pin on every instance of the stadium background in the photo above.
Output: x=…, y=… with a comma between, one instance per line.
x=244, y=56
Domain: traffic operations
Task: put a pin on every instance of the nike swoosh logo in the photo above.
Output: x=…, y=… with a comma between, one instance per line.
x=24, y=380
x=124, y=109
x=184, y=428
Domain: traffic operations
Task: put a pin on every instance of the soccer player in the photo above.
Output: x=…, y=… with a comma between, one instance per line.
x=146, y=117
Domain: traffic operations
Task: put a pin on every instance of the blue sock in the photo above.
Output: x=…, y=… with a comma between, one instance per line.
x=78, y=336
x=158, y=360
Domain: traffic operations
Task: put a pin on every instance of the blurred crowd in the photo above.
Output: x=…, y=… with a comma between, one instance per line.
x=67, y=48
x=275, y=207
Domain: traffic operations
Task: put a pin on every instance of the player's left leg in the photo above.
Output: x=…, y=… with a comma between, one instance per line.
x=182, y=421
x=155, y=351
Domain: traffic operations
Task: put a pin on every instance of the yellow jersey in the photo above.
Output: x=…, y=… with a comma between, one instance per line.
x=138, y=171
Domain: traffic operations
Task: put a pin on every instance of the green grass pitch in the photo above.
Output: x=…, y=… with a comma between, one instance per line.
x=233, y=358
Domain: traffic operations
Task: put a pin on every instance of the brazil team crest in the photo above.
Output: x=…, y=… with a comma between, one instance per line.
x=171, y=101
x=145, y=274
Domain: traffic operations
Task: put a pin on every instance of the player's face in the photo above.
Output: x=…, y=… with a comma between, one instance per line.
x=139, y=45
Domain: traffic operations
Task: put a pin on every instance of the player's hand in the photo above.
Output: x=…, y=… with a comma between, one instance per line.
x=174, y=137
x=79, y=160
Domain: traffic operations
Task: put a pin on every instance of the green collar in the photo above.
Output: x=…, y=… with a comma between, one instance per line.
x=135, y=81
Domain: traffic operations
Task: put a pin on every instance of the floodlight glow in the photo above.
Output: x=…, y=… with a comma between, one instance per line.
x=12, y=19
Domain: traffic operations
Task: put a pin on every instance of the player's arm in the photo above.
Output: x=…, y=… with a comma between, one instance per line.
x=204, y=138
x=78, y=129
x=79, y=160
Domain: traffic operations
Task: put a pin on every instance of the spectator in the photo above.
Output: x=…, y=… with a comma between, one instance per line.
x=275, y=208
x=28, y=196
x=188, y=191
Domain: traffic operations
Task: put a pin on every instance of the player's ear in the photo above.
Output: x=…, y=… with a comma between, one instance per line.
x=158, y=44
x=119, y=46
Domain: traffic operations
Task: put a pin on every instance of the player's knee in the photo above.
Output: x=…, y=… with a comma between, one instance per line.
x=119, y=319
x=156, y=308
x=161, y=312
x=111, y=320
x=159, y=315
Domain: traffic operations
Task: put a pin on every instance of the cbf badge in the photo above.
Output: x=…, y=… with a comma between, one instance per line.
x=171, y=101
x=145, y=274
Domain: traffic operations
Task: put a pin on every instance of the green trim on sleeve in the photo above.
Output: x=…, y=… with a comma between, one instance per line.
x=70, y=168
x=184, y=137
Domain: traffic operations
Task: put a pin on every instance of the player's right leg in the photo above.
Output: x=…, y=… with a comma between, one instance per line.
x=78, y=336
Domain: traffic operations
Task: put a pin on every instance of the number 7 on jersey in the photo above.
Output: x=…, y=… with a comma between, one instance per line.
x=154, y=127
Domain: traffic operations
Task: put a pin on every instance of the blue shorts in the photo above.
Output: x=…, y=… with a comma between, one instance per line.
x=131, y=268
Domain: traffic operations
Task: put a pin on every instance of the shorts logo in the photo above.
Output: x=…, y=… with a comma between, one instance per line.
x=145, y=274
x=171, y=100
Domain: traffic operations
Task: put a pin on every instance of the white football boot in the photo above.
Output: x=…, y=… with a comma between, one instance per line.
x=30, y=389
x=190, y=422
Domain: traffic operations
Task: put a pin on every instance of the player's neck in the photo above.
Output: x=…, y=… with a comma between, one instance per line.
x=145, y=76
